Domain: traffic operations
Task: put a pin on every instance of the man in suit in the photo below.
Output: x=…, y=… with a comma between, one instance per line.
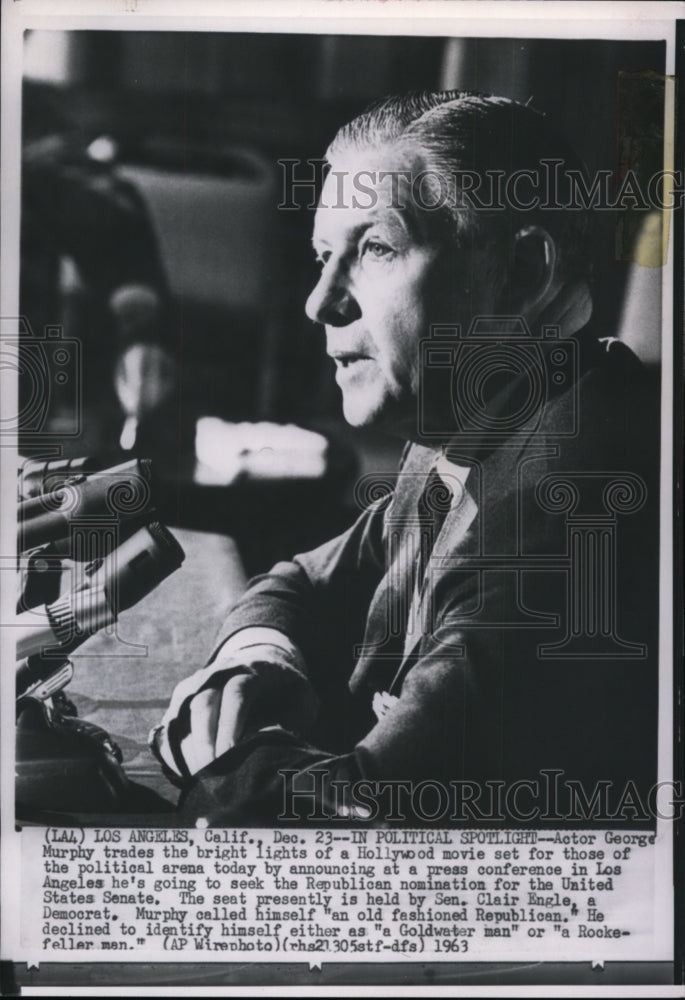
x=480, y=645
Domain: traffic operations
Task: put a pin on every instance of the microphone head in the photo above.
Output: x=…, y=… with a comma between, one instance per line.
x=167, y=544
x=139, y=565
x=97, y=501
x=136, y=309
x=39, y=476
x=110, y=585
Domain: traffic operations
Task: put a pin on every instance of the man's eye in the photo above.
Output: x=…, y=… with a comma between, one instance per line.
x=377, y=250
x=323, y=257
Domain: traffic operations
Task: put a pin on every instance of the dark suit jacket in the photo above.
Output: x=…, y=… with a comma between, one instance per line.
x=534, y=659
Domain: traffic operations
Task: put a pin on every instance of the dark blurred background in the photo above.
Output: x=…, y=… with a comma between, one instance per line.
x=181, y=133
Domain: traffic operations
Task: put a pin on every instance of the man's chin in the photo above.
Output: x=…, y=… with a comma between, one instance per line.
x=358, y=416
x=360, y=408
x=363, y=414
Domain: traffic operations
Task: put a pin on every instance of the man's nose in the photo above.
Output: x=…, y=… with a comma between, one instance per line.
x=331, y=301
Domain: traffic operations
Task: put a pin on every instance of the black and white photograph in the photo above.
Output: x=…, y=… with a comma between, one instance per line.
x=341, y=430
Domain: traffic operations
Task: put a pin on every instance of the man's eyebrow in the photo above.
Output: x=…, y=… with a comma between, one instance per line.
x=351, y=236
x=397, y=215
x=389, y=215
x=392, y=217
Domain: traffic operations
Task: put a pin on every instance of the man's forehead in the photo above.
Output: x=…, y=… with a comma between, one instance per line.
x=338, y=220
x=368, y=186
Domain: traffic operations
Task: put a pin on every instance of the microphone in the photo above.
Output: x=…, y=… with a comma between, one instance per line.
x=110, y=496
x=38, y=476
x=144, y=375
x=113, y=584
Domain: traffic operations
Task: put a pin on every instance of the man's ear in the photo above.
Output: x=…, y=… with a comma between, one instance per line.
x=531, y=272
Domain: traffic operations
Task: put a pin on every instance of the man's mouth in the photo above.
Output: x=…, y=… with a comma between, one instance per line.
x=345, y=359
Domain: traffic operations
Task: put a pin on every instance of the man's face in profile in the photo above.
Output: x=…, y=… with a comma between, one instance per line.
x=388, y=270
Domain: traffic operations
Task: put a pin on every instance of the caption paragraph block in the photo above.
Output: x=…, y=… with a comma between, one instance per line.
x=343, y=895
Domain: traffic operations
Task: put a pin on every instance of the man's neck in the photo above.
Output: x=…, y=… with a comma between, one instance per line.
x=568, y=307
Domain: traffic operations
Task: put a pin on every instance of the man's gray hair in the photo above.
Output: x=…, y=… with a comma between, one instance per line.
x=492, y=138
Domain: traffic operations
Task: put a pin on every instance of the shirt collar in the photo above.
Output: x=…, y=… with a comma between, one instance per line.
x=449, y=472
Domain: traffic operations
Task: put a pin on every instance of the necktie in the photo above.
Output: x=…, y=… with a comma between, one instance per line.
x=433, y=506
